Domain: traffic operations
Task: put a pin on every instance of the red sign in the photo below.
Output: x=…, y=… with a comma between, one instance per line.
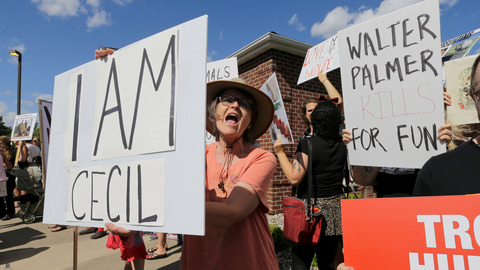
x=438, y=233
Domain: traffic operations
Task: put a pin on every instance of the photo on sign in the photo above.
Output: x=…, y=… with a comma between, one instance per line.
x=280, y=127
x=23, y=127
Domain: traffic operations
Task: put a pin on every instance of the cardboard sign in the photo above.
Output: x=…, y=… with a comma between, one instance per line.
x=23, y=127
x=457, y=75
x=279, y=127
x=460, y=46
x=225, y=69
x=45, y=120
x=412, y=233
x=323, y=56
x=392, y=87
x=127, y=137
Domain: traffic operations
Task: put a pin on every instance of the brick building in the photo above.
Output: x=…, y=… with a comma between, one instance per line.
x=256, y=63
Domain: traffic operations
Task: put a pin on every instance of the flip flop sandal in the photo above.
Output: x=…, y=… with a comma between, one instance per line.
x=155, y=248
x=154, y=256
x=53, y=226
x=59, y=228
x=152, y=250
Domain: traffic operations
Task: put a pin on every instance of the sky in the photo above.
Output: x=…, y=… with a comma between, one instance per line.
x=55, y=36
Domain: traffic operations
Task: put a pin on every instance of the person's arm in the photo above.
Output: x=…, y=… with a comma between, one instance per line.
x=6, y=161
x=118, y=230
x=362, y=175
x=248, y=194
x=331, y=90
x=295, y=171
x=242, y=201
x=23, y=155
x=365, y=175
x=343, y=267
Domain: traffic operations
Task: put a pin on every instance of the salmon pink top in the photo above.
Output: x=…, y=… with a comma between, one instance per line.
x=246, y=244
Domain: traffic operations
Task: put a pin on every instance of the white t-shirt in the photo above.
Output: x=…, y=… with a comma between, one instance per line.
x=33, y=151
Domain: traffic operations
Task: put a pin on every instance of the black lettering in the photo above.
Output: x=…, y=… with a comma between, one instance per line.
x=400, y=137
x=375, y=72
x=118, y=108
x=367, y=76
x=145, y=59
x=354, y=139
x=406, y=33
x=379, y=40
x=226, y=69
x=421, y=26
x=73, y=188
x=208, y=79
x=354, y=51
x=76, y=118
x=424, y=61
x=394, y=68
x=413, y=137
x=368, y=44
x=117, y=218
x=369, y=140
x=354, y=72
x=374, y=132
x=92, y=201
x=151, y=218
x=128, y=194
x=407, y=65
x=394, y=35
x=431, y=138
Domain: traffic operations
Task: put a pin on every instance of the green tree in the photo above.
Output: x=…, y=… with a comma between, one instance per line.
x=4, y=130
x=36, y=131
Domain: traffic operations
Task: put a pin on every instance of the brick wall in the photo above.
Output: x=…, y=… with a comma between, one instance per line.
x=287, y=68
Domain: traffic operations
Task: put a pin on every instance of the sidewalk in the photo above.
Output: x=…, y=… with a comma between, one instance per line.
x=33, y=246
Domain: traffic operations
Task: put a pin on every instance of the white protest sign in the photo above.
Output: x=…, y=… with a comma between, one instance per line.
x=23, y=127
x=323, y=56
x=127, y=140
x=392, y=85
x=148, y=128
x=225, y=69
x=45, y=120
x=457, y=75
x=460, y=46
x=279, y=127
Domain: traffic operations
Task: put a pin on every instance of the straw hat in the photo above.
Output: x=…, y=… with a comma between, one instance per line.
x=263, y=103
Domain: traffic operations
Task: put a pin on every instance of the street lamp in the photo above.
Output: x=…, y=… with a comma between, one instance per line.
x=19, y=82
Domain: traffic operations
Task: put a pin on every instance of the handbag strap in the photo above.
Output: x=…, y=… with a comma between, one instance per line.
x=310, y=178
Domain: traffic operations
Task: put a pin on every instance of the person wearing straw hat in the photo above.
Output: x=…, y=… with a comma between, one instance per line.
x=238, y=174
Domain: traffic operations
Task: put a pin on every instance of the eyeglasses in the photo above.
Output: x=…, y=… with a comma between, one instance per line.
x=242, y=102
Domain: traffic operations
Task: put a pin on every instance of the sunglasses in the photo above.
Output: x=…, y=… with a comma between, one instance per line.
x=242, y=102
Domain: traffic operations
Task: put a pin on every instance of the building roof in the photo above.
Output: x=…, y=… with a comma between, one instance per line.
x=270, y=40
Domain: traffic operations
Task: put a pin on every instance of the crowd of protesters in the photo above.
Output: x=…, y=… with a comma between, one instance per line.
x=238, y=174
